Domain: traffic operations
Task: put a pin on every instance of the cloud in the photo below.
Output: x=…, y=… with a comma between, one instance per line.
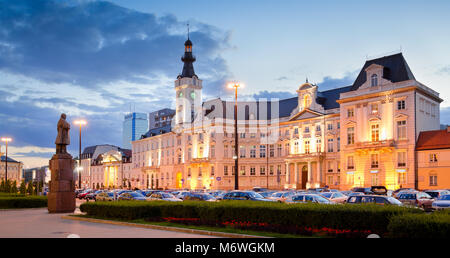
x=444, y=70
x=329, y=82
x=96, y=42
x=92, y=59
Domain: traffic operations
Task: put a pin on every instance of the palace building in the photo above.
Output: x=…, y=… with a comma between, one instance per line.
x=357, y=135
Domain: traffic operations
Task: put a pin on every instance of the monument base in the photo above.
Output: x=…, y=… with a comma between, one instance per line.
x=61, y=198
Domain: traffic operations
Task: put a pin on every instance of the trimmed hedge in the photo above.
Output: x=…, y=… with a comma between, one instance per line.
x=12, y=202
x=436, y=225
x=349, y=217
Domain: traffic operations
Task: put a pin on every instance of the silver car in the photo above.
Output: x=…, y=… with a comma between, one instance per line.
x=443, y=202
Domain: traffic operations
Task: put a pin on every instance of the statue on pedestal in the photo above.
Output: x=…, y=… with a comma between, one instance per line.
x=61, y=198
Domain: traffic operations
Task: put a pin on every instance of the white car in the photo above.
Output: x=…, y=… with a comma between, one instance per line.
x=159, y=196
x=441, y=203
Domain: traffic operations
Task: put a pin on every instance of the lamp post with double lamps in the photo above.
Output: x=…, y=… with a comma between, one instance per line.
x=79, y=168
x=236, y=85
x=6, y=140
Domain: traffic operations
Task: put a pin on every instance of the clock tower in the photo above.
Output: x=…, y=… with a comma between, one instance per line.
x=188, y=90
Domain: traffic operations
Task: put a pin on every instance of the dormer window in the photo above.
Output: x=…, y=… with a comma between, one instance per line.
x=374, y=80
x=306, y=101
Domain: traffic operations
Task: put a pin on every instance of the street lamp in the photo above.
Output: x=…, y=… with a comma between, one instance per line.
x=235, y=85
x=6, y=140
x=80, y=123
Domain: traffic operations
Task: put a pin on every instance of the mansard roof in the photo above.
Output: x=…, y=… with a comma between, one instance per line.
x=157, y=131
x=328, y=98
x=396, y=69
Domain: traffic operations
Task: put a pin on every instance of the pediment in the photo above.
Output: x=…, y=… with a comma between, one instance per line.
x=305, y=114
x=400, y=116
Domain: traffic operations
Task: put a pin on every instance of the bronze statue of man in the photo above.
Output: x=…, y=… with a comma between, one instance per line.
x=63, y=138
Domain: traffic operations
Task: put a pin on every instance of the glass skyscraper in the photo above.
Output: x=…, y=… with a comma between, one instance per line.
x=134, y=125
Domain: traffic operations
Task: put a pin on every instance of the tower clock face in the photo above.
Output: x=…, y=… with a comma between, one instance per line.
x=193, y=95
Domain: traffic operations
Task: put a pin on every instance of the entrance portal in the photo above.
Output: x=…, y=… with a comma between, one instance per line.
x=304, y=176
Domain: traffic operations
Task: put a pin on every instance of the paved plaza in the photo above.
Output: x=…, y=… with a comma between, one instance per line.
x=40, y=224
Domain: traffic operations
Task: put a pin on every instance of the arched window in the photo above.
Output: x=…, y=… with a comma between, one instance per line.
x=374, y=80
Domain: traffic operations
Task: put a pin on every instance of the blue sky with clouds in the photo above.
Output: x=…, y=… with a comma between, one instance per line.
x=95, y=59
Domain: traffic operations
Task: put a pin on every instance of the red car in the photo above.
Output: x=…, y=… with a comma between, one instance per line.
x=418, y=199
x=82, y=195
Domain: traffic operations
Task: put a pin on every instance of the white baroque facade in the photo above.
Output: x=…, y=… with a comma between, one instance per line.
x=353, y=136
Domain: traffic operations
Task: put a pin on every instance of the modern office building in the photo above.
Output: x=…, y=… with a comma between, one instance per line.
x=134, y=126
x=160, y=118
x=355, y=135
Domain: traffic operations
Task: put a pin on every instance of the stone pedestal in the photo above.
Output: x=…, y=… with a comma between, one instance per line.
x=61, y=198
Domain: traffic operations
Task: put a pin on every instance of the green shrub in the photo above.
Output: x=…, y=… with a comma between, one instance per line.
x=352, y=217
x=12, y=202
x=436, y=225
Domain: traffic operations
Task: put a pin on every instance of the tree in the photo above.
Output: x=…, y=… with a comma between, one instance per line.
x=30, y=188
x=14, y=187
x=23, y=187
x=8, y=186
x=2, y=186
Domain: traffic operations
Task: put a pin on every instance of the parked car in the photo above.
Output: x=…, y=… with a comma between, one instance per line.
x=245, y=195
x=442, y=202
x=92, y=195
x=129, y=196
x=308, y=197
x=147, y=193
x=337, y=197
x=181, y=195
x=394, y=193
x=319, y=190
x=379, y=190
x=365, y=190
x=282, y=196
x=417, y=199
x=104, y=197
x=161, y=196
x=436, y=193
x=267, y=194
x=199, y=197
x=377, y=199
x=83, y=195
x=259, y=189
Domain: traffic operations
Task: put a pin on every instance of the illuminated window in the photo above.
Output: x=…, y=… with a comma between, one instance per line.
x=375, y=179
x=375, y=132
x=262, y=171
x=271, y=170
x=306, y=101
x=307, y=146
x=433, y=157
x=242, y=172
x=296, y=149
x=374, y=80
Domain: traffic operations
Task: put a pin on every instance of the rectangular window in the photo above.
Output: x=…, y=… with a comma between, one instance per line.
x=242, y=135
x=306, y=129
x=262, y=151
x=375, y=132
x=375, y=179
x=330, y=126
x=351, y=135
x=307, y=146
x=225, y=151
x=401, y=105
x=401, y=178
x=339, y=144
x=287, y=148
x=212, y=171
x=330, y=166
x=262, y=171
x=213, y=151
x=233, y=169
x=252, y=171
x=374, y=108
x=242, y=152
x=189, y=171
x=401, y=159
x=330, y=145
x=350, y=163
x=242, y=172
x=280, y=149
x=401, y=129
x=318, y=128
x=350, y=179
x=295, y=130
x=271, y=170
x=318, y=145
x=350, y=112
x=330, y=180
x=279, y=170
x=374, y=160
x=433, y=157
x=296, y=149
x=225, y=170
x=272, y=150
x=253, y=152
x=433, y=180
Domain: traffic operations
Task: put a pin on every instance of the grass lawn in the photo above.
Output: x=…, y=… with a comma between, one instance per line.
x=206, y=228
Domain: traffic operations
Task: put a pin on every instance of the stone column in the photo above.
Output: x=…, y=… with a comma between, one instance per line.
x=287, y=173
x=309, y=173
x=319, y=173
x=296, y=174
